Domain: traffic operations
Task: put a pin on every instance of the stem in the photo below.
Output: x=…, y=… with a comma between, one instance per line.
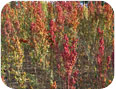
x=65, y=84
x=36, y=72
x=51, y=65
x=68, y=82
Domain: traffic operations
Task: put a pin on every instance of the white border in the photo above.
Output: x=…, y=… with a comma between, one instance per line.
x=111, y=2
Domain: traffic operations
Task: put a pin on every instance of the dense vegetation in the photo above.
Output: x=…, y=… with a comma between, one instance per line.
x=57, y=44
